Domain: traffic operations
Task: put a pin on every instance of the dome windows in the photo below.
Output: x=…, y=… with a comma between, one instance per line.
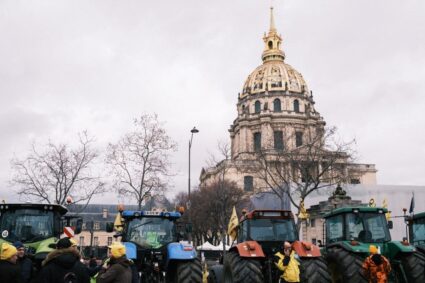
x=296, y=106
x=277, y=106
x=298, y=139
x=278, y=140
x=257, y=107
x=257, y=142
x=270, y=44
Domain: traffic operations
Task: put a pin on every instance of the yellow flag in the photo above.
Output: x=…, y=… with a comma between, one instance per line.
x=385, y=205
x=118, y=223
x=233, y=224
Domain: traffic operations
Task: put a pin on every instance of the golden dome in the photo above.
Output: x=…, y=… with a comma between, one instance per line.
x=274, y=74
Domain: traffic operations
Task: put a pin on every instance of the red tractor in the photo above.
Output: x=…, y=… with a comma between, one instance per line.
x=260, y=234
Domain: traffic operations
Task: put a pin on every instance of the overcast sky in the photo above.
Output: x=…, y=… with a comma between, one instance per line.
x=67, y=66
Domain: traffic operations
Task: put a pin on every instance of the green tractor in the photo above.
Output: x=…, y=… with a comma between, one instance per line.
x=417, y=231
x=37, y=226
x=350, y=232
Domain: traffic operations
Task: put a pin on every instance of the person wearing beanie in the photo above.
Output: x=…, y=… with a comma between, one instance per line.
x=63, y=265
x=9, y=269
x=118, y=269
x=286, y=261
x=376, y=267
x=24, y=262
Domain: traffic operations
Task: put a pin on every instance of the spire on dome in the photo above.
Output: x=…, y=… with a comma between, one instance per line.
x=272, y=42
x=272, y=26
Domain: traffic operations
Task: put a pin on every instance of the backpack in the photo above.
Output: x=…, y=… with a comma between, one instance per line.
x=70, y=277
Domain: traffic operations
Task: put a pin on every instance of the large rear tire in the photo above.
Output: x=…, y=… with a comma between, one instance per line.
x=345, y=267
x=189, y=272
x=314, y=270
x=241, y=270
x=215, y=274
x=414, y=267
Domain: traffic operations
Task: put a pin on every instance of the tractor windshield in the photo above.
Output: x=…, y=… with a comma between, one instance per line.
x=419, y=231
x=367, y=227
x=150, y=232
x=272, y=230
x=26, y=225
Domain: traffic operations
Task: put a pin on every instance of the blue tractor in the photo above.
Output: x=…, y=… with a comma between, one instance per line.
x=154, y=241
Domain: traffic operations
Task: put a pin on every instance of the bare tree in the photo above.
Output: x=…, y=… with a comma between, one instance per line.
x=211, y=209
x=140, y=160
x=57, y=172
x=297, y=171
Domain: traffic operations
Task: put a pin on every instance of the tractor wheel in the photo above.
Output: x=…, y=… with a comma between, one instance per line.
x=345, y=267
x=189, y=272
x=314, y=270
x=241, y=270
x=414, y=267
x=215, y=274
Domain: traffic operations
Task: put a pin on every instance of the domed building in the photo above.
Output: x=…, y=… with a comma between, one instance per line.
x=275, y=113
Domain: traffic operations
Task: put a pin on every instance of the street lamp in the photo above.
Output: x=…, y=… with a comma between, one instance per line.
x=193, y=131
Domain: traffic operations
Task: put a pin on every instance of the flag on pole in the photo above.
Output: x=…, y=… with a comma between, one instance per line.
x=118, y=222
x=412, y=204
x=233, y=224
x=385, y=205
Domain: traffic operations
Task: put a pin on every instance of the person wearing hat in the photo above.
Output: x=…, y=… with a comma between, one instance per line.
x=376, y=267
x=118, y=269
x=9, y=269
x=63, y=265
x=287, y=262
x=24, y=262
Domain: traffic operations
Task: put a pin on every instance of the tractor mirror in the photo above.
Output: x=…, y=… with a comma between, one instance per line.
x=78, y=226
x=390, y=224
x=109, y=227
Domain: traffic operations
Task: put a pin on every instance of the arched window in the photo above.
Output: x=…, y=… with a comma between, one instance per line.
x=270, y=44
x=257, y=107
x=277, y=105
x=296, y=106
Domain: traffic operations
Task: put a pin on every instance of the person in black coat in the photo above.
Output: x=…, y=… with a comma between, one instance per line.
x=9, y=269
x=63, y=264
x=24, y=262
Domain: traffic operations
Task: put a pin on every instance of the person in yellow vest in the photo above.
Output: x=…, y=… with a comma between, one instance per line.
x=287, y=262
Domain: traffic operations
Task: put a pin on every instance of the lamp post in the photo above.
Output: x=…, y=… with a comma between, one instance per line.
x=193, y=131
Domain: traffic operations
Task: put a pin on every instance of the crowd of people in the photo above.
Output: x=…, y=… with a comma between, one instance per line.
x=65, y=264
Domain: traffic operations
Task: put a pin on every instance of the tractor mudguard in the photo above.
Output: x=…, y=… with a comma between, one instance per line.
x=358, y=248
x=306, y=249
x=395, y=247
x=250, y=249
x=130, y=250
x=180, y=251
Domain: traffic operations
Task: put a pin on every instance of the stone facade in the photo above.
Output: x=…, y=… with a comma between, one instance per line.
x=275, y=110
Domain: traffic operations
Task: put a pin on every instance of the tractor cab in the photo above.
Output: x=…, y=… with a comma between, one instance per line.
x=150, y=229
x=37, y=226
x=365, y=225
x=417, y=231
x=268, y=227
